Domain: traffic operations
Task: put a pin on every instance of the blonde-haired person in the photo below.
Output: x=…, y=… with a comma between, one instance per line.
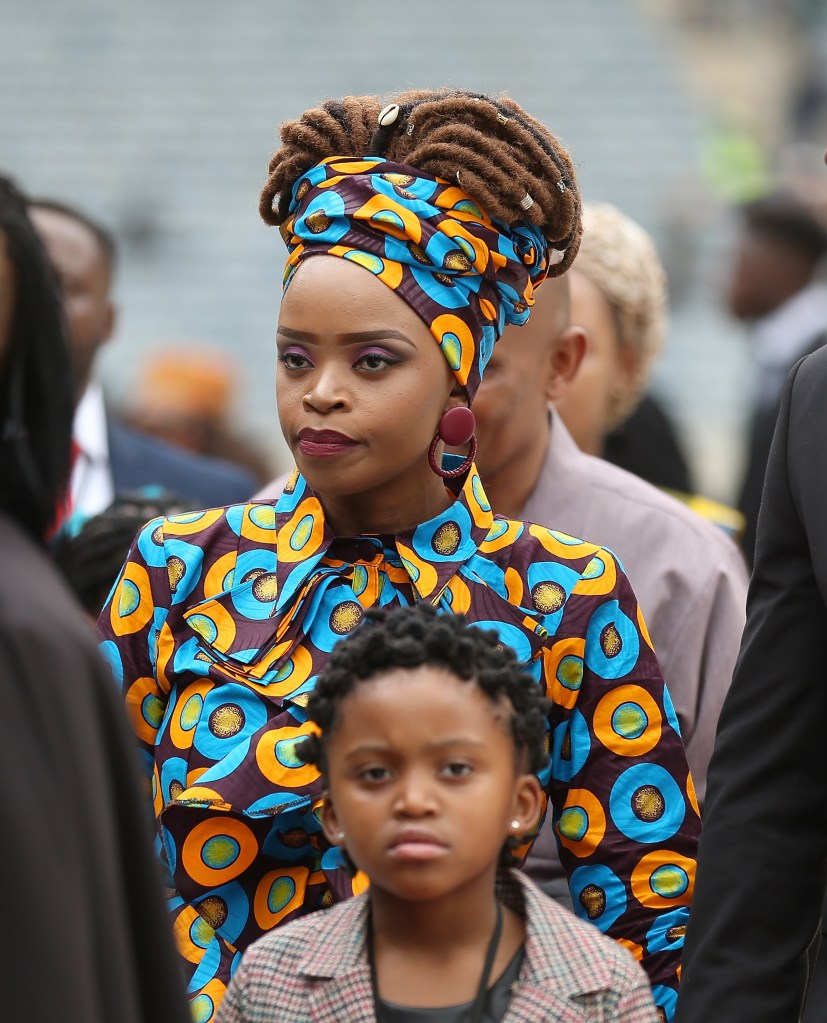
x=619, y=296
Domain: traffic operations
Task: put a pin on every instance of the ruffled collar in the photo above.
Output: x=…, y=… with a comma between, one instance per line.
x=431, y=553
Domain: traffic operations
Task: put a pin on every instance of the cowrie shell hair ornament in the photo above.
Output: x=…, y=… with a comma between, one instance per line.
x=555, y=256
x=388, y=115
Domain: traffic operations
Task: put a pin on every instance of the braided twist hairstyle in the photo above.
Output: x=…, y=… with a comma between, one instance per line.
x=495, y=151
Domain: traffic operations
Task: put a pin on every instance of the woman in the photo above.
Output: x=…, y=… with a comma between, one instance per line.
x=405, y=264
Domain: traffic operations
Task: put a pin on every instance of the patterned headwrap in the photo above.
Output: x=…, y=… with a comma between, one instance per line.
x=465, y=274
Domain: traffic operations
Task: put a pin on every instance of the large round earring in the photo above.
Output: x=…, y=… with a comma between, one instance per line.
x=456, y=427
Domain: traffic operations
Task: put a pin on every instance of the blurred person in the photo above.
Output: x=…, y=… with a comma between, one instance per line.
x=758, y=913
x=110, y=457
x=619, y=296
x=84, y=931
x=90, y=553
x=618, y=293
x=775, y=287
x=183, y=395
x=757, y=936
x=398, y=282
x=688, y=575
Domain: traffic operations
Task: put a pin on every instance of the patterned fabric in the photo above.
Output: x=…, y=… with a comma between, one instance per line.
x=316, y=970
x=464, y=273
x=218, y=626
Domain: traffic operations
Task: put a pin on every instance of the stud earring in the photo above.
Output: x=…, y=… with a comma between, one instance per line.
x=456, y=427
x=515, y=825
x=340, y=836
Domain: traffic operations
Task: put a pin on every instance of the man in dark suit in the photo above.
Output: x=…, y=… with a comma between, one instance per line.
x=763, y=854
x=110, y=457
x=774, y=286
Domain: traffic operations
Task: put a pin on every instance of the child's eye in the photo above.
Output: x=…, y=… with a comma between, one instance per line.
x=295, y=360
x=457, y=769
x=373, y=362
x=373, y=774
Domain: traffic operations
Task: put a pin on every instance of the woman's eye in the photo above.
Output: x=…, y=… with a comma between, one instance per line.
x=294, y=360
x=457, y=769
x=374, y=361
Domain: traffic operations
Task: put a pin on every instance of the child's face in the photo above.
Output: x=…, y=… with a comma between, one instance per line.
x=424, y=782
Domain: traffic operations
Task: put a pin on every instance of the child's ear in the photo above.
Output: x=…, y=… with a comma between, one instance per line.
x=527, y=805
x=330, y=824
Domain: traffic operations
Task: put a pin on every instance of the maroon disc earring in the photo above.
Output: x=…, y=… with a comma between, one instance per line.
x=456, y=427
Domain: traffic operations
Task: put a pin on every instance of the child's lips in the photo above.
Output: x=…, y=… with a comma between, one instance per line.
x=416, y=844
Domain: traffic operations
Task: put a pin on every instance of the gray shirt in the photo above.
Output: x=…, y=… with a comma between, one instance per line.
x=689, y=577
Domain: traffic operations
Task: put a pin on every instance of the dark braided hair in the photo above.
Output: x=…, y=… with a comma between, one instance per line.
x=36, y=400
x=91, y=558
x=408, y=637
x=491, y=146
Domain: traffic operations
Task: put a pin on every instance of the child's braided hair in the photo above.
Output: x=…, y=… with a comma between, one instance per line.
x=489, y=145
x=409, y=637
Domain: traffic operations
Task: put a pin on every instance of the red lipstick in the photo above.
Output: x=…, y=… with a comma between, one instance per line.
x=324, y=443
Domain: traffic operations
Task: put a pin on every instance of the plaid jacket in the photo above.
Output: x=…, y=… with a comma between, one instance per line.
x=315, y=970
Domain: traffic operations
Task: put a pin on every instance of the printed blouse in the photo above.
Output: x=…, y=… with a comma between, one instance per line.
x=217, y=628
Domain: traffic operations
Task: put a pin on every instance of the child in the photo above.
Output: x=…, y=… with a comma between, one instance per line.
x=430, y=740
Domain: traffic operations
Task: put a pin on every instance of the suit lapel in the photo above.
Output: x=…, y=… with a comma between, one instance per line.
x=531, y=1002
x=345, y=998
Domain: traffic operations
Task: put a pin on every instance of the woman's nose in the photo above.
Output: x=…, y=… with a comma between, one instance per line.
x=327, y=392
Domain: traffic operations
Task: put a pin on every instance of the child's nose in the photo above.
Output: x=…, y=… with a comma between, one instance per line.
x=415, y=797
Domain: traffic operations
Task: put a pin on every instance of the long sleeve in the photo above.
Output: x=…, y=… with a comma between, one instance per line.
x=624, y=809
x=763, y=858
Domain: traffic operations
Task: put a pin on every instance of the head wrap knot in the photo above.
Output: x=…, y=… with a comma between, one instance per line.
x=465, y=274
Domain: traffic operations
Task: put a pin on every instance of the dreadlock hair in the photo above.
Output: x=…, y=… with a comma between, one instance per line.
x=91, y=557
x=490, y=145
x=36, y=398
x=409, y=637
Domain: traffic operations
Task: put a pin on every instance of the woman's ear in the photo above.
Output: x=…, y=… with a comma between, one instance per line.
x=457, y=397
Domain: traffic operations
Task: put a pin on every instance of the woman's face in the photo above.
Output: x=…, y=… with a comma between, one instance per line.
x=587, y=403
x=361, y=383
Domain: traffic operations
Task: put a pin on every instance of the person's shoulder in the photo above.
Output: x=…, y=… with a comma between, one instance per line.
x=291, y=943
x=626, y=502
x=139, y=460
x=573, y=945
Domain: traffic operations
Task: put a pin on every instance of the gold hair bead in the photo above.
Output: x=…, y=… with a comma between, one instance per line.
x=502, y=118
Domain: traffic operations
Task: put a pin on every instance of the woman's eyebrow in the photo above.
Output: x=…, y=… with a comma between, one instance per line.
x=357, y=337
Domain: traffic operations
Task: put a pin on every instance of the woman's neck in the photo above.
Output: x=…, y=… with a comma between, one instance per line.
x=390, y=508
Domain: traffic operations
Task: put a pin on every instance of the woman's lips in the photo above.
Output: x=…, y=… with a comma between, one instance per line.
x=324, y=443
